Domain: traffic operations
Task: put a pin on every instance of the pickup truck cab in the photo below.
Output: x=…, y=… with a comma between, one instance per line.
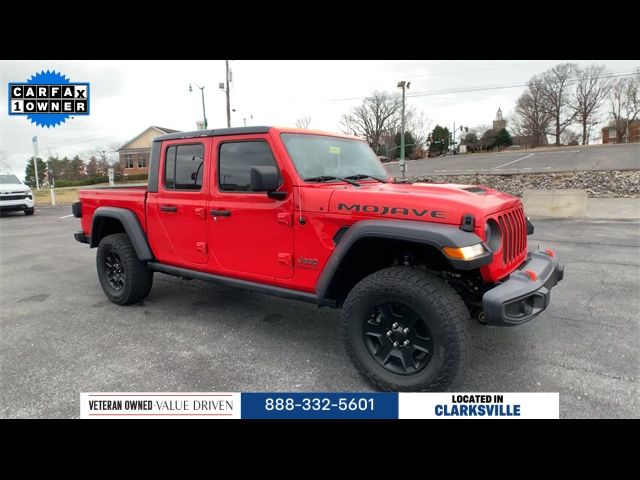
x=314, y=216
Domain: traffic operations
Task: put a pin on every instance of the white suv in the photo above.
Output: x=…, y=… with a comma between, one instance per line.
x=15, y=195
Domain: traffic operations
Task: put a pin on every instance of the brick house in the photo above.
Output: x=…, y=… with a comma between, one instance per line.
x=609, y=134
x=134, y=155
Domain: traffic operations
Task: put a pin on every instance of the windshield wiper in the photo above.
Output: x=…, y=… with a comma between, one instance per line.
x=360, y=176
x=325, y=178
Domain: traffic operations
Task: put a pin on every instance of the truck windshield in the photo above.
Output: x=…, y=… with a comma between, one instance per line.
x=323, y=158
x=9, y=179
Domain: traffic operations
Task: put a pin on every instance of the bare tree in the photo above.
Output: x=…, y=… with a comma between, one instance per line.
x=4, y=165
x=625, y=103
x=531, y=116
x=415, y=122
x=303, y=122
x=555, y=89
x=592, y=89
x=570, y=137
x=379, y=113
x=418, y=124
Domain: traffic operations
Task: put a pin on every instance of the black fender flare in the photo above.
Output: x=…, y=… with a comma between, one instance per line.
x=131, y=226
x=432, y=234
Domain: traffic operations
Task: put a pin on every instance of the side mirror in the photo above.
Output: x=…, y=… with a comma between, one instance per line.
x=266, y=179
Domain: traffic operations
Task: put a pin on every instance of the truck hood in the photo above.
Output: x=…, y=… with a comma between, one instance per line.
x=443, y=203
x=13, y=188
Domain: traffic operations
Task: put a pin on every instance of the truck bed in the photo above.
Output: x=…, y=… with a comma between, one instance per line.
x=129, y=197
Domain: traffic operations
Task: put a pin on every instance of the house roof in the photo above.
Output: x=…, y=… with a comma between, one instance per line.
x=161, y=130
x=612, y=124
x=165, y=130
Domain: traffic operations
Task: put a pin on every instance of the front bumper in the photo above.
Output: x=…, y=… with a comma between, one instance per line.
x=16, y=205
x=526, y=293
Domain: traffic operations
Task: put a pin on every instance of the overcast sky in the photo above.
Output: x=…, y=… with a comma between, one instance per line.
x=129, y=96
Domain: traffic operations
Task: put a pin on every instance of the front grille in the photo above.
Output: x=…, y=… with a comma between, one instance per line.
x=514, y=234
x=12, y=197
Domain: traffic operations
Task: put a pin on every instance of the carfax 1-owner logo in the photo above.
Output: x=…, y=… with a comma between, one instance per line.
x=48, y=98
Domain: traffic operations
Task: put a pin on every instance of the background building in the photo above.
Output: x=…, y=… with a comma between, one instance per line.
x=134, y=155
x=609, y=134
x=499, y=123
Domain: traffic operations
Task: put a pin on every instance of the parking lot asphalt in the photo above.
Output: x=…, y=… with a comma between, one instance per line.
x=542, y=160
x=60, y=336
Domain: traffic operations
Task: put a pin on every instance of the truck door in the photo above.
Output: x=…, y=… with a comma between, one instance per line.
x=250, y=233
x=176, y=214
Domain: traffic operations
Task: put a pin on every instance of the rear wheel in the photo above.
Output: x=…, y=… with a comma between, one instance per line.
x=124, y=279
x=404, y=329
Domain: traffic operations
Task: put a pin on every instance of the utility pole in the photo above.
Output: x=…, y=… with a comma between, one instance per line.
x=403, y=163
x=226, y=63
x=453, y=147
x=34, y=143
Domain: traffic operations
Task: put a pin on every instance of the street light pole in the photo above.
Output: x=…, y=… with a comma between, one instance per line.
x=204, y=113
x=226, y=63
x=404, y=85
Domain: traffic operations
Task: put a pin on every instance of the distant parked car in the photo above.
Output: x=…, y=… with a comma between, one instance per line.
x=514, y=147
x=15, y=195
x=383, y=159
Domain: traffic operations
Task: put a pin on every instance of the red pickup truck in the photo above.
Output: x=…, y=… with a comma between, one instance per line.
x=314, y=216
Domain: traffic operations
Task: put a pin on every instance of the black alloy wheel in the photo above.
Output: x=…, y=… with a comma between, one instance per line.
x=114, y=271
x=397, y=338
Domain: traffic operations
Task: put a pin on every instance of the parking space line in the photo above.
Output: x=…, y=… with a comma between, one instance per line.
x=67, y=216
x=514, y=161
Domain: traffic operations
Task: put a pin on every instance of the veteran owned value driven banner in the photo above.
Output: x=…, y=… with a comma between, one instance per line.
x=346, y=405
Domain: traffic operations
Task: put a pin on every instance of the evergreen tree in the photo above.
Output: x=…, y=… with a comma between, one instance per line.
x=409, y=144
x=92, y=167
x=439, y=140
x=503, y=138
x=30, y=174
x=77, y=168
x=488, y=140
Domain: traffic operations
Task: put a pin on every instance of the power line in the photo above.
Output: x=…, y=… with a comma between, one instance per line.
x=481, y=89
x=473, y=89
x=478, y=69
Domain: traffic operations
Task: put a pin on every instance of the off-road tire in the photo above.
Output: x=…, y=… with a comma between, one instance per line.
x=136, y=278
x=436, y=304
x=29, y=211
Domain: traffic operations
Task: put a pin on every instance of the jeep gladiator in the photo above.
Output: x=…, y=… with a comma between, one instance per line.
x=314, y=216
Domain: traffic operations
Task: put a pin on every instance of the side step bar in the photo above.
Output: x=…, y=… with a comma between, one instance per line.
x=234, y=282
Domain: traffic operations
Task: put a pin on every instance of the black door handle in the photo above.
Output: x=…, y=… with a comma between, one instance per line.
x=221, y=213
x=169, y=208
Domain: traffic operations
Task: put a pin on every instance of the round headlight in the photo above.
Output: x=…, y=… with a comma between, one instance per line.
x=493, y=234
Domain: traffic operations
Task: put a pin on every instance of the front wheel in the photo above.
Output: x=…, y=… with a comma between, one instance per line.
x=124, y=278
x=29, y=211
x=404, y=329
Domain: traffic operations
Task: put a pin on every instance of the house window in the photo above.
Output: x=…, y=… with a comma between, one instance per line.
x=142, y=160
x=128, y=160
